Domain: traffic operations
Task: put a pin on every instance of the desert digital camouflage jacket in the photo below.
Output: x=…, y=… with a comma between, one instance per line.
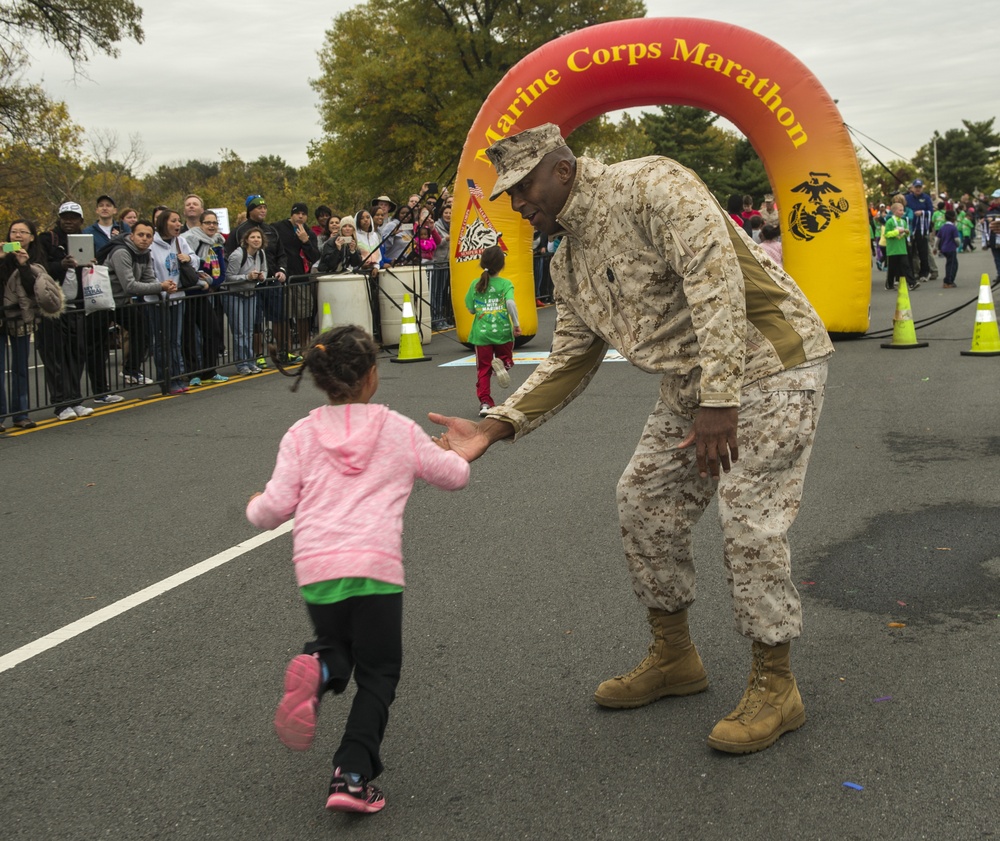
x=651, y=266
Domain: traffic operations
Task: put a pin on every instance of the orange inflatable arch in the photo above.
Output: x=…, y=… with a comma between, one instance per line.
x=761, y=88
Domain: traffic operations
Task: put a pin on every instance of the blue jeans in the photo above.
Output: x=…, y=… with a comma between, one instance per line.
x=950, y=267
x=166, y=326
x=241, y=313
x=19, y=349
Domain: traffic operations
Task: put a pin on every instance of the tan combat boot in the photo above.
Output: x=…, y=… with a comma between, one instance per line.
x=672, y=667
x=770, y=707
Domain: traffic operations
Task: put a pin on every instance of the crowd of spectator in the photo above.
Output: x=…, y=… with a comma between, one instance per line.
x=933, y=226
x=179, y=285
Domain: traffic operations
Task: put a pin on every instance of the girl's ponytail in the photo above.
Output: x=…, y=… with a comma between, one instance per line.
x=484, y=281
x=491, y=262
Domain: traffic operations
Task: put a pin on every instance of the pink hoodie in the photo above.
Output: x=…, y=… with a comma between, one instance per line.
x=345, y=473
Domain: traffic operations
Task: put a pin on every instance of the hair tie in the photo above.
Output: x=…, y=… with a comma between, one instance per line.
x=320, y=347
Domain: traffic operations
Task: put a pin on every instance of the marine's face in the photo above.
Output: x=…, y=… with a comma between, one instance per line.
x=541, y=195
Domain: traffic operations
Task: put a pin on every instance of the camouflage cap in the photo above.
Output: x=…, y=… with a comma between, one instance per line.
x=515, y=156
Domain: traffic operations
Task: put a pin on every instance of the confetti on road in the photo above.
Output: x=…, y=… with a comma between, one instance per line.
x=897, y=624
x=883, y=698
x=855, y=786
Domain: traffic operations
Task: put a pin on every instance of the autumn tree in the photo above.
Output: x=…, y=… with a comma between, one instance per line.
x=80, y=28
x=39, y=144
x=402, y=83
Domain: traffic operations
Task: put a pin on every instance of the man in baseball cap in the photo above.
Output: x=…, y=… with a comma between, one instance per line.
x=922, y=206
x=681, y=294
x=514, y=157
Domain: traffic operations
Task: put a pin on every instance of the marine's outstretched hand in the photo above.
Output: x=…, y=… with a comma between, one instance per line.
x=468, y=438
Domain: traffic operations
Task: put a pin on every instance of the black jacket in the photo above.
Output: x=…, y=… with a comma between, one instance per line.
x=294, y=249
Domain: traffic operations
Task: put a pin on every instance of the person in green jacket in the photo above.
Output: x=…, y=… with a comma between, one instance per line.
x=897, y=233
x=490, y=299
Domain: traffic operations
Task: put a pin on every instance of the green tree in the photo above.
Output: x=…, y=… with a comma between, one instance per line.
x=689, y=136
x=963, y=155
x=749, y=176
x=401, y=83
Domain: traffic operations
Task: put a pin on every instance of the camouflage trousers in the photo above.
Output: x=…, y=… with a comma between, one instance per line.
x=661, y=497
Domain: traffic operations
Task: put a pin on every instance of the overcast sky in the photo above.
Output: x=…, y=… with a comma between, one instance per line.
x=899, y=70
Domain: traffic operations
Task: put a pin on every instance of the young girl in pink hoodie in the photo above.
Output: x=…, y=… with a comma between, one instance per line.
x=345, y=473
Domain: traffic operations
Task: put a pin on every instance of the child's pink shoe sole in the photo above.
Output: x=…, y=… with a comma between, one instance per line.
x=347, y=803
x=295, y=719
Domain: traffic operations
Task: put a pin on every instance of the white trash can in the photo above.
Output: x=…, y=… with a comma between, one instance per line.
x=347, y=295
x=393, y=284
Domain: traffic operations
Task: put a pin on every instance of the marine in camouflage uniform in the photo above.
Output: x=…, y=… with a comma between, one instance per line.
x=651, y=265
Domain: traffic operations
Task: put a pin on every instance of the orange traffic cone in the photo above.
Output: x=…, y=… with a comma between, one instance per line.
x=409, y=340
x=985, y=336
x=904, y=334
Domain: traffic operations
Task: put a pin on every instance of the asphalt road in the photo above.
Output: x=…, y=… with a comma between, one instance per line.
x=157, y=723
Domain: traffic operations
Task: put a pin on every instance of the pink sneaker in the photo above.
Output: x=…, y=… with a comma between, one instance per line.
x=295, y=719
x=353, y=793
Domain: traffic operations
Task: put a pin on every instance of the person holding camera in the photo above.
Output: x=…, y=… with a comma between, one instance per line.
x=29, y=296
x=340, y=252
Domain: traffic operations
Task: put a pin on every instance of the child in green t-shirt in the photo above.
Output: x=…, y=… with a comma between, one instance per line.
x=490, y=299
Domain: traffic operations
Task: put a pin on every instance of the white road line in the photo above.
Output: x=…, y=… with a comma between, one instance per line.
x=26, y=652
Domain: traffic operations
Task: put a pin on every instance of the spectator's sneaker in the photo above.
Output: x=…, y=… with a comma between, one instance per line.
x=82, y=411
x=136, y=379
x=292, y=358
x=255, y=369
x=353, y=793
x=194, y=382
x=484, y=409
x=218, y=378
x=260, y=362
x=66, y=414
x=243, y=370
x=179, y=389
x=295, y=718
x=108, y=399
x=503, y=378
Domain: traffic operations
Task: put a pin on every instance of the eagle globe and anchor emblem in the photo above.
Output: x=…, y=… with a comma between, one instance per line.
x=811, y=217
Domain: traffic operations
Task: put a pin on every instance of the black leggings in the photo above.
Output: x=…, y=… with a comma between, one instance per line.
x=363, y=634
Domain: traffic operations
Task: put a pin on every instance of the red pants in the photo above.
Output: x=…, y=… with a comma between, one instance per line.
x=484, y=367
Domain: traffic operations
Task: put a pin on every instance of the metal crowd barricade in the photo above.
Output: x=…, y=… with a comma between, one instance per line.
x=134, y=349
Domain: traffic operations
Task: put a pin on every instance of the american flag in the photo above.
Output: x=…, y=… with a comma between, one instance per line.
x=474, y=190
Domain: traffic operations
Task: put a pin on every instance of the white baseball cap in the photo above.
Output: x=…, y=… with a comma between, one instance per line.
x=71, y=207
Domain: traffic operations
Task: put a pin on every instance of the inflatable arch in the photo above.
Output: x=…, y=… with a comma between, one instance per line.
x=761, y=88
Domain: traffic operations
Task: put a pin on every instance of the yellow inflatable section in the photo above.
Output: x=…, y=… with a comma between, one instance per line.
x=761, y=88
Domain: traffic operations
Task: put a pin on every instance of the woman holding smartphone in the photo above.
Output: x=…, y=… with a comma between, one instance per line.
x=340, y=252
x=29, y=295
